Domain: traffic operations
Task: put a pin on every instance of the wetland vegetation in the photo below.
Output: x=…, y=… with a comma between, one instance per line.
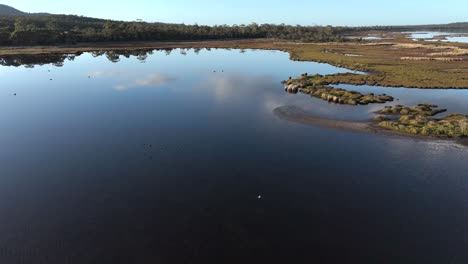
x=420, y=120
x=384, y=63
x=336, y=95
x=397, y=63
x=134, y=142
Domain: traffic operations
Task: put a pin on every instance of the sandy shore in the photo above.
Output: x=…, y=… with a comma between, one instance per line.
x=296, y=114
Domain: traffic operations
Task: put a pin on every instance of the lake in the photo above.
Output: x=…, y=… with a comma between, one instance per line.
x=461, y=37
x=177, y=157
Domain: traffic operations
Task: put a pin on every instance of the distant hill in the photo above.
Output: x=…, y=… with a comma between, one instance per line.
x=10, y=11
x=6, y=10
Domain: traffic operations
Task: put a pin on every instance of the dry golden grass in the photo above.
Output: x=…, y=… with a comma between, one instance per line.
x=431, y=58
x=392, y=63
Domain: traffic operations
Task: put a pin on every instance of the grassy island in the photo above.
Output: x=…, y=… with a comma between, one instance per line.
x=316, y=88
x=453, y=126
x=418, y=120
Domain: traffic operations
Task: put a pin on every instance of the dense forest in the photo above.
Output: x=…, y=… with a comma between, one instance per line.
x=19, y=28
x=66, y=29
x=452, y=27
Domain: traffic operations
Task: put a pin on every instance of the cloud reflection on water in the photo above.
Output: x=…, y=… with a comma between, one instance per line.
x=130, y=80
x=152, y=80
x=268, y=94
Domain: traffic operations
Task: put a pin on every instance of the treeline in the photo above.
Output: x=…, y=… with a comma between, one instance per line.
x=65, y=29
x=461, y=27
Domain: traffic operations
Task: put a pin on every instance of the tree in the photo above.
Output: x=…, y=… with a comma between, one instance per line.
x=52, y=24
x=72, y=29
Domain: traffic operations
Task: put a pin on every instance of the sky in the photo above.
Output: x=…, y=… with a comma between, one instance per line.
x=304, y=12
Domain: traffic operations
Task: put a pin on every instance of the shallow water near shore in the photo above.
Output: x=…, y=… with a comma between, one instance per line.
x=455, y=101
x=461, y=37
x=179, y=158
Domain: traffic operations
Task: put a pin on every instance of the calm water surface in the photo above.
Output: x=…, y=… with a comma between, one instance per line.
x=450, y=36
x=179, y=159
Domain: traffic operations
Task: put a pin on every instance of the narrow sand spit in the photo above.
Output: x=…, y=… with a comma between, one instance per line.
x=296, y=114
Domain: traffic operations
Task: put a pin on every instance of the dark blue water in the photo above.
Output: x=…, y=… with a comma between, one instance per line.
x=180, y=160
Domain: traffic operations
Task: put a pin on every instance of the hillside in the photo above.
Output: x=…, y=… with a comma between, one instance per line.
x=69, y=29
x=20, y=28
x=10, y=11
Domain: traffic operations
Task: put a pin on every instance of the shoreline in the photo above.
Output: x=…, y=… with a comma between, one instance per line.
x=293, y=48
x=298, y=115
x=135, y=45
x=386, y=63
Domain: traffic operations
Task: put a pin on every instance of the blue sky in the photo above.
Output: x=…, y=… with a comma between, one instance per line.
x=307, y=12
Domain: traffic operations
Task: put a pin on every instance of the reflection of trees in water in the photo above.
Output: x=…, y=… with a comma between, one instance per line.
x=113, y=56
x=167, y=51
x=29, y=61
x=97, y=53
x=58, y=60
